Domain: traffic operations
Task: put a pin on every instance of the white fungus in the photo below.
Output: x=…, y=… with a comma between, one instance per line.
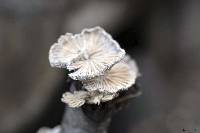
x=94, y=58
x=78, y=98
x=88, y=54
x=75, y=99
x=121, y=76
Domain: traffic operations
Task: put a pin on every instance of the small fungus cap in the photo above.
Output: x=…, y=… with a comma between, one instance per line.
x=88, y=54
x=75, y=99
x=121, y=76
x=78, y=98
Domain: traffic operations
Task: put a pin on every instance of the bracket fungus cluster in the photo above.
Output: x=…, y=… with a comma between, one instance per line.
x=96, y=59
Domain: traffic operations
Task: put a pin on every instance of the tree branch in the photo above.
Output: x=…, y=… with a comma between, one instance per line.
x=91, y=118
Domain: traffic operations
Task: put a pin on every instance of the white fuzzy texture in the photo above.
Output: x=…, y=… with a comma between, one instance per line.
x=97, y=60
x=75, y=99
x=121, y=76
x=89, y=54
x=78, y=98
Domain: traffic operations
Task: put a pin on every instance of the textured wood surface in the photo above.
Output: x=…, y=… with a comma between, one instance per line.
x=91, y=118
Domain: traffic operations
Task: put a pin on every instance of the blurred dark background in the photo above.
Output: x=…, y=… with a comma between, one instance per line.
x=163, y=36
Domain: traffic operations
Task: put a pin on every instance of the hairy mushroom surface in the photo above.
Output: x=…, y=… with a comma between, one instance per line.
x=120, y=77
x=78, y=98
x=75, y=99
x=88, y=54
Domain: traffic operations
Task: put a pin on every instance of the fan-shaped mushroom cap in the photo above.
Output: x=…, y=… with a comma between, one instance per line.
x=89, y=53
x=65, y=51
x=120, y=77
x=75, y=99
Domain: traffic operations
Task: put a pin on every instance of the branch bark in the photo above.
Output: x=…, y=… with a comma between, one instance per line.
x=92, y=118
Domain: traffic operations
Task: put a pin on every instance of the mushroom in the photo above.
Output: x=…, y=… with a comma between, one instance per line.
x=75, y=99
x=97, y=61
x=120, y=77
x=78, y=98
x=88, y=54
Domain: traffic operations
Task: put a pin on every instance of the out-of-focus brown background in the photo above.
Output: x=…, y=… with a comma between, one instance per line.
x=162, y=35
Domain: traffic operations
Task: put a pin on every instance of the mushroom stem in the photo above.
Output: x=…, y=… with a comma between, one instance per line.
x=86, y=55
